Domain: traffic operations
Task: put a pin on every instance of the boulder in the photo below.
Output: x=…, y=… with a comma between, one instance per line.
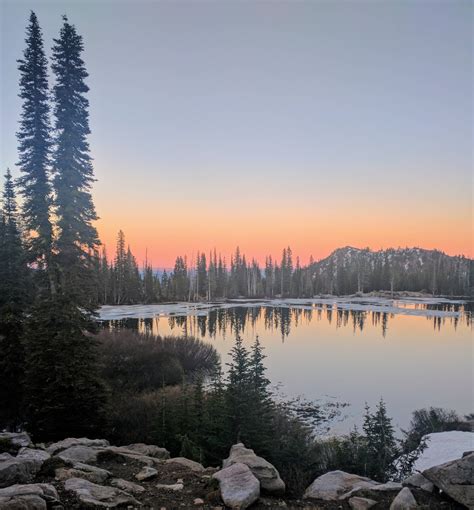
x=336, y=484
x=22, y=468
x=55, y=448
x=79, y=470
x=377, y=487
x=170, y=487
x=16, y=439
x=455, y=478
x=187, y=463
x=92, y=495
x=268, y=475
x=238, y=486
x=125, y=485
x=146, y=473
x=149, y=450
x=34, y=496
x=79, y=453
x=404, y=500
x=122, y=453
x=357, y=503
x=418, y=481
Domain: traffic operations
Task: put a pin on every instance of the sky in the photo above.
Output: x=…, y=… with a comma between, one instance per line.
x=263, y=124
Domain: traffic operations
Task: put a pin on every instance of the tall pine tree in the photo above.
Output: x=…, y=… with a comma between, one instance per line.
x=65, y=394
x=34, y=137
x=72, y=166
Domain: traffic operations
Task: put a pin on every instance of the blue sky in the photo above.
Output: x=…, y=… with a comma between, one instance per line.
x=325, y=109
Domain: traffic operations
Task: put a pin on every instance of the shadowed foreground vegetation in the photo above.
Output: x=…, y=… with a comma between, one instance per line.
x=172, y=392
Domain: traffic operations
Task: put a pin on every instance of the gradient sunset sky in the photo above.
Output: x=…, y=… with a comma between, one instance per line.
x=264, y=124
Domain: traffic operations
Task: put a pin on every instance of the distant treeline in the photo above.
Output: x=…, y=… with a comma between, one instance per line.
x=346, y=271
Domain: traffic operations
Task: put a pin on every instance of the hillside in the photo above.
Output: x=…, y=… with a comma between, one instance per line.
x=348, y=270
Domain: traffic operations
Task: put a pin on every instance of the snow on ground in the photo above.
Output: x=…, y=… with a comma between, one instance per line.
x=403, y=306
x=443, y=447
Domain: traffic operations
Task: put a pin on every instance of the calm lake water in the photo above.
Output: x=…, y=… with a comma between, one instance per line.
x=412, y=353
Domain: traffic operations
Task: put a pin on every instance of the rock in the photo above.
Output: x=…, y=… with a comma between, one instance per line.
x=85, y=454
x=331, y=486
x=268, y=475
x=34, y=496
x=17, y=439
x=455, y=478
x=75, y=441
x=34, y=458
x=238, y=485
x=146, y=473
x=123, y=454
x=127, y=486
x=190, y=464
x=22, y=468
x=377, y=487
x=170, y=487
x=91, y=473
x=357, y=503
x=149, y=450
x=92, y=495
x=404, y=500
x=198, y=501
x=418, y=481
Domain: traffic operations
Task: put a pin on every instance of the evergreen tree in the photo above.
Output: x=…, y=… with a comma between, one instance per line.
x=65, y=395
x=13, y=300
x=34, y=150
x=238, y=391
x=381, y=443
x=73, y=172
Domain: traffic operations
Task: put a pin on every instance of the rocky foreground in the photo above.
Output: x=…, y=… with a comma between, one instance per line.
x=79, y=473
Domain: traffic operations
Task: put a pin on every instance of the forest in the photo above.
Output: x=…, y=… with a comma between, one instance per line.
x=345, y=271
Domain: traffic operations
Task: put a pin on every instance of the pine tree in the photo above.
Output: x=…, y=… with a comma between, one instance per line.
x=65, y=395
x=72, y=165
x=381, y=443
x=34, y=137
x=13, y=301
x=238, y=393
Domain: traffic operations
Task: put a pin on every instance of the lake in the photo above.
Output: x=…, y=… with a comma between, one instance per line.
x=412, y=352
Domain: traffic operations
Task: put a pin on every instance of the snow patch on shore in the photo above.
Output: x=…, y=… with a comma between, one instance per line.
x=406, y=306
x=443, y=447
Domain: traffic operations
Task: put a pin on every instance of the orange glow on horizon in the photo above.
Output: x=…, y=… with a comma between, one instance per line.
x=163, y=235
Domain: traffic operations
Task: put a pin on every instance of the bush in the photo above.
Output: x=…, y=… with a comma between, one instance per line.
x=434, y=419
x=136, y=362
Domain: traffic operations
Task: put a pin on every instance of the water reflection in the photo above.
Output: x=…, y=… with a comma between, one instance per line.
x=223, y=322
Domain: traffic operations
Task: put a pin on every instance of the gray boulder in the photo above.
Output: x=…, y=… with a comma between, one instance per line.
x=125, y=485
x=187, y=463
x=80, y=470
x=79, y=453
x=92, y=495
x=123, y=453
x=34, y=496
x=146, y=473
x=455, y=478
x=336, y=484
x=358, y=503
x=75, y=441
x=149, y=450
x=418, y=481
x=22, y=468
x=17, y=439
x=404, y=500
x=268, y=475
x=238, y=486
